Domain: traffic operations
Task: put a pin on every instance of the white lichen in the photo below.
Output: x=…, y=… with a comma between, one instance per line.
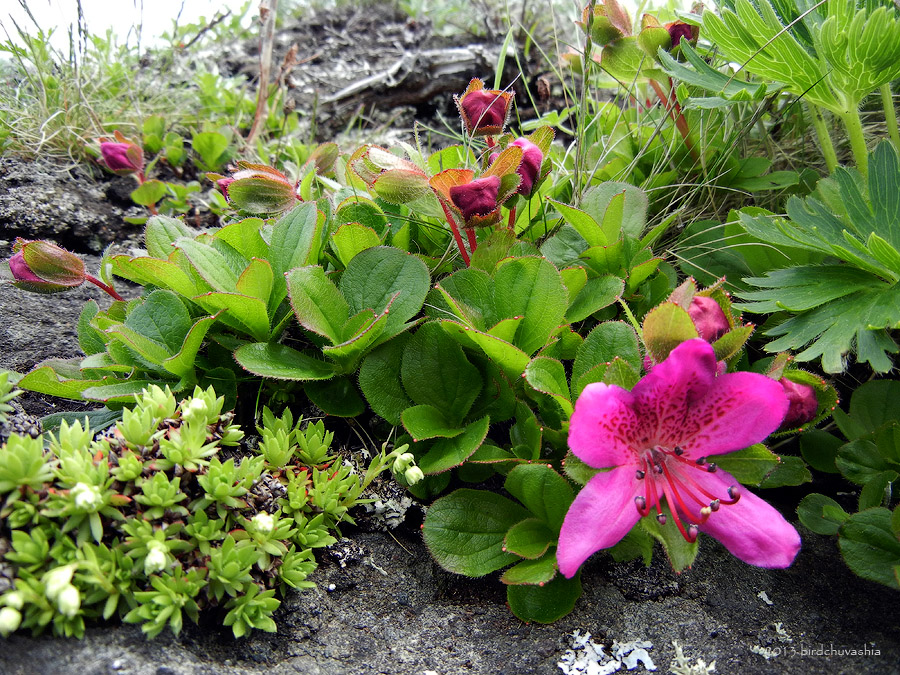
x=762, y=595
x=586, y=657
x=681, y=664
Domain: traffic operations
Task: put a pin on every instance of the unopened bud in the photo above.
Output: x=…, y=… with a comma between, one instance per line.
x=69, y=601
x=709, y=318
x=478, y=198
x=87, y=497
x=483, y=111
x=155, y=561
x=802, y=403
x=263, y=522
x=10, y=618
x=413, y=475
x=42, y=267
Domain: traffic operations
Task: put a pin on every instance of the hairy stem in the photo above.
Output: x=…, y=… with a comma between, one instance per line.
x=671, y=104
x=109, y=289
x=853, y=123
x=470, y=235
x=455, y=230
x=825, y=143
x=890, y=115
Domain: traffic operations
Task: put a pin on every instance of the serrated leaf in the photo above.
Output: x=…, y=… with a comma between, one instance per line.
x=448, y=453
x=549, y=377
x=597, y=293
x=161, y=232
x=529, y=538
x=544, y=603
x=532, y=288
x=870, y=547
x=544, y=492
x=317, y=303
x=352, y=238
x=281, y=362
x=821, y=514
x=464, y=531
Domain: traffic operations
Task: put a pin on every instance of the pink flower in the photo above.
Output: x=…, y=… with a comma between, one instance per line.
x=802, y=403
x=478, y=198
x=530, y=166
x=122, y=156
x=656, y=438
x=679, y=30
x=708, y=318
x=42, y=267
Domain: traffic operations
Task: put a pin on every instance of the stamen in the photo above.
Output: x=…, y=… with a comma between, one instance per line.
x=641, y=505
x=711, y=467
x=639, y=474
x=678, y=451
x=661, y=518
x=701, y=461
x=692, y=533
x=714, y=505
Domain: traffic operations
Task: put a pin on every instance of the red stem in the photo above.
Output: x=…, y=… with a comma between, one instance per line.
x=473, y=243
x=452, y=223
x=510, y=224
x=674, y=110
x=109, y=289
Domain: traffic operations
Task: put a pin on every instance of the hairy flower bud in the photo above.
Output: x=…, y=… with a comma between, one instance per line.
x=10, y=618
x=69, y=601
x=802, y=403
x=478, y=198
x=679, y=30
x=483, y=111
x=122, y=156
x=413, y=475
x=530, y=166
x=13, y=599
x=87, y=497
x=42, y=267
x=156, y=558
x=264, y=522
x=708, y=317
x=56, y=580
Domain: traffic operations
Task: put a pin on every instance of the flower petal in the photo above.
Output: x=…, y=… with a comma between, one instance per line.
x=739, y=409
x=665, y=396
x=603, y=426
x=602, y=513
x=751, y=529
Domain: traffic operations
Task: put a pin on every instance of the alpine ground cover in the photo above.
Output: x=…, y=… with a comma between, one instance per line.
x=475, y=298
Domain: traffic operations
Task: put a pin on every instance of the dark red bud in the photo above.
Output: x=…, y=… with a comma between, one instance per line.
x=530, y=166
x=708, y=318
x=484, y=111
x=122, y=157
x=680, y=29
x=478, y=198
x=42, y=267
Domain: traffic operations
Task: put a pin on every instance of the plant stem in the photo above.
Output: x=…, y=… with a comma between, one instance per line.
x=825, y=143
x=455, y=230
x=109, y=289
x=674, y=109
x=853, y=123
x=470, y=235
x=267, y=11
x=890, y=115
x=511, y=223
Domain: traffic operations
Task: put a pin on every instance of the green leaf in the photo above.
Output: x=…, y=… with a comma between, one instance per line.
x=379, y=379
x=625, y=205
x=256, y=281
x=750, y=465
x=585, y=225
x=182, y=363
x=603, y=344
x=153, y=272
x=681, y=553
x=210, y=146
x=90, y=339
x=511, y=360
x=318, y=304
x=532, y=288
x=790, y=471
x=820, y=449
x=337, y=396
x=861, y=461
x=352, y=238
x=543, y=492
x=531, y=572
x=211, y=264
x=297, y=239
x=529, y=538
x=547, y=603
x=425, y=421
x=149, y=193
x=382, y=275
x=464, y=531
x=492, y=250
x=548, y=376
x=876, y=403
x=877, y=490
x=451, y=452
x=821, y=514
x=870, y=547
x=161, y=232
x=362, y=211
x=666, y=327
x=280, y=362
x=435, y=371
x=597, y=293
x=249, y=312
x=245, y=237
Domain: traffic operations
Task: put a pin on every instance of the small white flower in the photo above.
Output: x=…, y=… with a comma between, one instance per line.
x=263, y=522
x=69, y=601
x=56, y=580
x=195, y=409
x=13, y=599
x=413, y=475
x=87, y=497
x=403, y=462
x=10, y=618
x=156, y=558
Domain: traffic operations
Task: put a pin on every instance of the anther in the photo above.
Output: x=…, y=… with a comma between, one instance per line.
x=701, y=461
x=639, y=474
x=734, y=492
x=711, y=467
x=678, y=451
x=661, y=518
x=714, y=505
x=692, y=533
x=641, y=504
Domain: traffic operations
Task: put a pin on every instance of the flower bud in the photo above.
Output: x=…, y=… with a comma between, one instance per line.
x=413, y=475
x=122, y=156
x=478, y=198
x=87, y=497
x=69, y=601
x=483, y=111
x=42, y=267
x=56, y=580
x=13, y=599
x=708, y=317
x=530, y=166
x=802, y=403
x=10, y=618
x=222, y=185
x=680, y=29
x=263, y=522
x=156, y=558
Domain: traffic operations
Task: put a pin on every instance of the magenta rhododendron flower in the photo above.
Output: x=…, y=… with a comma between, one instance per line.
x=708, y=318
x=530, y=167
x=802, y=403
x=478, y=198
x=42, y=267
x=122, y=156
x=656, y=439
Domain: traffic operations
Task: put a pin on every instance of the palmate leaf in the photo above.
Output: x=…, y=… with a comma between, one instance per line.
x=838, y=308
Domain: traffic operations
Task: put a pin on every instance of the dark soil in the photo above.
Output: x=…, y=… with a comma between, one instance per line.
x=381, y=605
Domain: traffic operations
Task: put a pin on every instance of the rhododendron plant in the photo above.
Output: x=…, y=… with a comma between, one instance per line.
x=656, y=440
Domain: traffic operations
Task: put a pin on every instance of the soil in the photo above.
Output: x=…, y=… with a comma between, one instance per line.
x=381, y=605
